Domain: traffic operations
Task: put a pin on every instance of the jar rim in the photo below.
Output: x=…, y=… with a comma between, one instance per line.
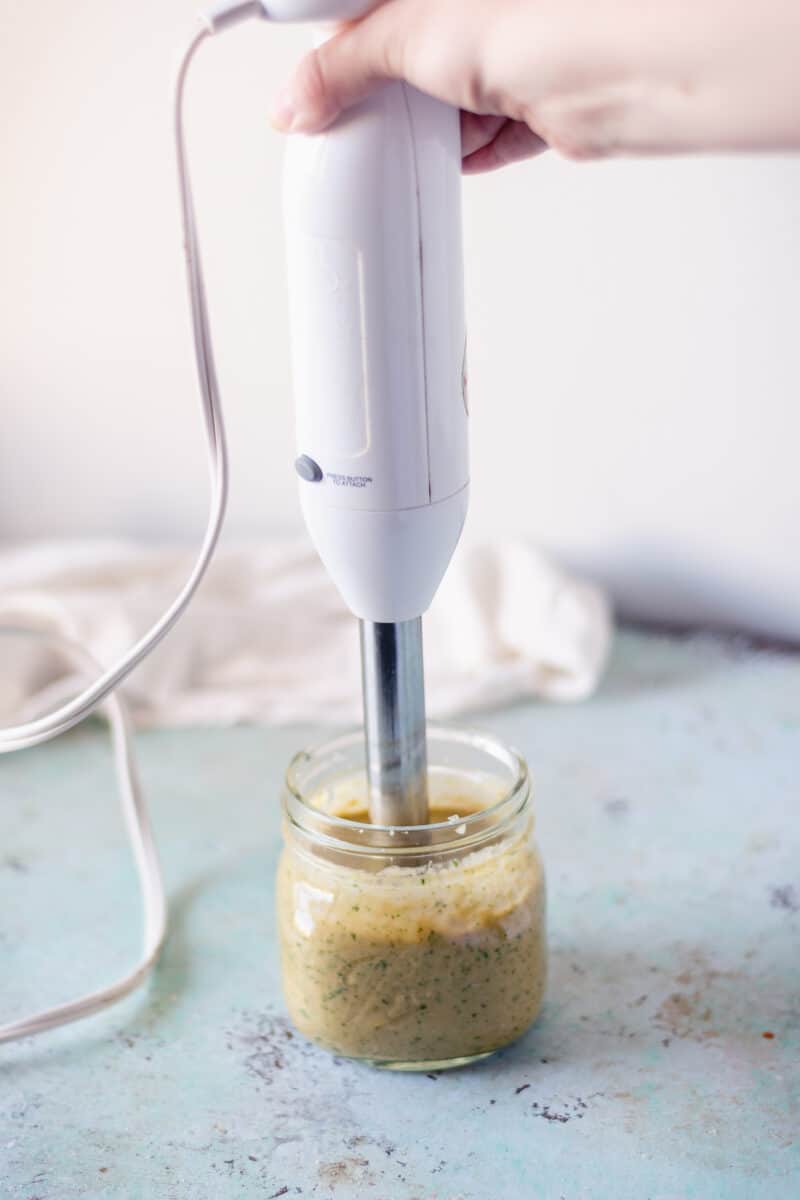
x=326, y=826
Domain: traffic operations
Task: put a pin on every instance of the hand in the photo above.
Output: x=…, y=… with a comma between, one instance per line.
x=437, y=45
x=590, y=78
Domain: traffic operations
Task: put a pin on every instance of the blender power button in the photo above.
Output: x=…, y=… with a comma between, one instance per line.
x=308, y=469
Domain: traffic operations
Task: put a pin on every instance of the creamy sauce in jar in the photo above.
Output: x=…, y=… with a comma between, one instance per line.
x=415, y=965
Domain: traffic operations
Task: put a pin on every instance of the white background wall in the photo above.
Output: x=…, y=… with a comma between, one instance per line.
x=635, y=365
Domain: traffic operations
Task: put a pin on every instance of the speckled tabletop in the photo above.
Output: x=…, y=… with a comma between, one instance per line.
x=666, y=1065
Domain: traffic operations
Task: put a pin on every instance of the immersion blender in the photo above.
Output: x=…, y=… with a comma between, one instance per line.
x=373, y=230
x=374, y=244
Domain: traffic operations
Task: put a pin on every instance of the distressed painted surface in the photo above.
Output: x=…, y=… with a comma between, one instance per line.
x=670, y=822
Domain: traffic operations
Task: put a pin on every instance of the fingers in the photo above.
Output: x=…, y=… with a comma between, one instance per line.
x=366, y=53
x=341, y=72
x=478, y=131
x=513, y=142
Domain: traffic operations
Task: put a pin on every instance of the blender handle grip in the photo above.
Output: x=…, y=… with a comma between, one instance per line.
x=374, y=245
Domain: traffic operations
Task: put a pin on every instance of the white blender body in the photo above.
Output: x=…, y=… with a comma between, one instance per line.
x=374, y=243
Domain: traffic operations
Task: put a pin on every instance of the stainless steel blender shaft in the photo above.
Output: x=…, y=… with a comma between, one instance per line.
x=394, y=722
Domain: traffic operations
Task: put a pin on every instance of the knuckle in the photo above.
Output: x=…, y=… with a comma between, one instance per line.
x=391, y=55
x=310, y=85
x=477, y=97
x=577, y=130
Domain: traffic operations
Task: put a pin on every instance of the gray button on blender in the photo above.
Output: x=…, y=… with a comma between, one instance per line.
x=308, y=469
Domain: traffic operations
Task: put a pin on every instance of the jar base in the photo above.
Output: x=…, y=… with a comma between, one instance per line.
x=434, y=1064
x=419, y=1066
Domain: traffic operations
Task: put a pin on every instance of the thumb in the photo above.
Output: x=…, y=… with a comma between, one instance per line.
x=341, y=72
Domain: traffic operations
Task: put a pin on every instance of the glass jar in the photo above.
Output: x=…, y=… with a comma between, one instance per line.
x=412, y=947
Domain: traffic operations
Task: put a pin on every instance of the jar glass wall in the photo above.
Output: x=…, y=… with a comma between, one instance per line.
x=412, y=947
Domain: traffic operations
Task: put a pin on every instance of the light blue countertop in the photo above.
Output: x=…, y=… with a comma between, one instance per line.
x=669, y=817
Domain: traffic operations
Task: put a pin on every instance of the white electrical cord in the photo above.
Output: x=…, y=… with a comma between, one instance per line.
x=41, y=730
x=32, y=733
x=137, y=821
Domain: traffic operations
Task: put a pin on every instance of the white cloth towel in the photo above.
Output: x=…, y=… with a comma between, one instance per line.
x=267, y=638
